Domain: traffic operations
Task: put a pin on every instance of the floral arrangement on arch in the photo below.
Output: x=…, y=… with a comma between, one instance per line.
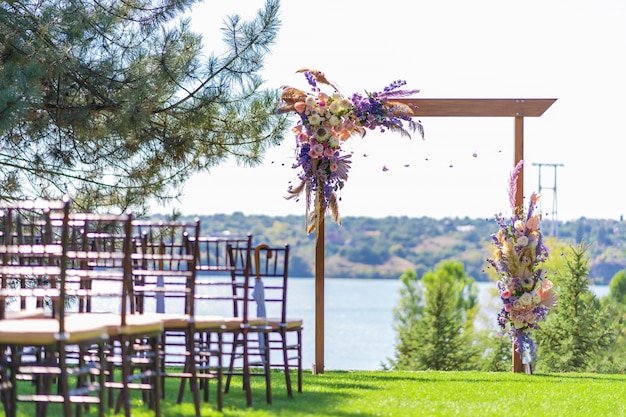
x=326, y=121
x=525, y=292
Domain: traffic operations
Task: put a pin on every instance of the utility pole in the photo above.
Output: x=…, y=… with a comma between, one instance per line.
x=555, y=228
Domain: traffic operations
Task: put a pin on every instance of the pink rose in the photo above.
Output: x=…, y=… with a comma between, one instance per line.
x=533, y=222
x=316, y=150
x=300, y=106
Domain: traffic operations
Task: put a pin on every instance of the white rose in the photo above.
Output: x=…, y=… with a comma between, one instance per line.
x=334, y=120
x=334, y=107
x=310, y=101
x=315, y=119
x=526, y=299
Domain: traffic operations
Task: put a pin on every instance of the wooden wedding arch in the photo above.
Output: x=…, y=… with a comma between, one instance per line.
x=434, y=107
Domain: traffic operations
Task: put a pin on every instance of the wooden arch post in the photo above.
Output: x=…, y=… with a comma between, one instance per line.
x=440, y=107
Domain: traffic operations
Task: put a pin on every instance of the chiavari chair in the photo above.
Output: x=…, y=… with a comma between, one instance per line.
x=100, y=266
x=165, y=284
x=36, y=352
x=283, y=333
x=223, y=266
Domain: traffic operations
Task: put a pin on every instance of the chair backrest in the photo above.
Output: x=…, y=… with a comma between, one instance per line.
x=164, y=266
x=33, y=258
x=98, y=251
x=271, y=267
x=220, y=264
x=240, y=258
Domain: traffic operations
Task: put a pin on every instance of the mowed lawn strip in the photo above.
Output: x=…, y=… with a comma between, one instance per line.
x=390, y=393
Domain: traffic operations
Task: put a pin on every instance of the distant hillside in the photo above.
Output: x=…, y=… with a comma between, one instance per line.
x=384, y=248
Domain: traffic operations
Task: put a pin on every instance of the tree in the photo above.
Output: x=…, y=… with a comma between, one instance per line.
x=437, y=334
x=613, y=357
x=617, y=287
x=577, y=329
x=406, y=315
x=113, y=102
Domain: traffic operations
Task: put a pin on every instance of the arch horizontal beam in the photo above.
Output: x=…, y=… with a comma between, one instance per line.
x=478, y=107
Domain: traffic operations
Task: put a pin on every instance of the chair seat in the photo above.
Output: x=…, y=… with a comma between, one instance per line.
x=276, y=323
x=173, y=321
x=37, y=313
x=235, y=323
x=170, y=321
x=208, y=322
x=46, y=331
x=135, y=323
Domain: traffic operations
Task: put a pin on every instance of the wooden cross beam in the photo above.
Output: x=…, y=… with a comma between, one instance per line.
x=441, y=107
x=478, y=107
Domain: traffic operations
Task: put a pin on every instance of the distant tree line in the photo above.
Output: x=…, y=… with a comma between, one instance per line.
x=386, y=247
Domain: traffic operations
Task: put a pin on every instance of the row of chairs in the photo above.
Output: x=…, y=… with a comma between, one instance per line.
x=94, y=307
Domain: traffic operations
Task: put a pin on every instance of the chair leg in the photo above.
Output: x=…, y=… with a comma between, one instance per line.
x=191, y=365
x=4, y=380
x=102, y=378
x=110, y=373
x=246, y=368
x=283, y=340
x=231, y=366
x=300, y=360
x=220, y=347
x=156, y=375
x=13, y=378
x=126, y=371
x=203, y=342
x=267, y=369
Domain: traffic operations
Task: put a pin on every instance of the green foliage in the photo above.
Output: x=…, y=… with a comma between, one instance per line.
x=557, y=260
x=617, y=287
x=496, y=351
x=612, y=359
x=410, y=305
x=576, y=330
x=415, y=394
x=115, y=103
x=435, y=319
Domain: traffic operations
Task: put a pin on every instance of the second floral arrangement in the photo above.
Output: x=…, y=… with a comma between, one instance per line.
x=526, y=293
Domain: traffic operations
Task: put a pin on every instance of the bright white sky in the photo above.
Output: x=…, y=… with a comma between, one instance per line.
x=570, y=50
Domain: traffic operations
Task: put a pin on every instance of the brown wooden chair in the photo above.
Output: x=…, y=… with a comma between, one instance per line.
x=247, y=356
x=223, y=265
x=284, y=334
x=165, y=285
x=36, y=351
x=100, y=267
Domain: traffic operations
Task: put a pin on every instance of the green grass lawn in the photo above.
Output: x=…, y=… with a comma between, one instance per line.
x=379, y=393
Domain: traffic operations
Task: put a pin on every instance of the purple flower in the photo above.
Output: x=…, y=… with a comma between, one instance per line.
x=329, y=119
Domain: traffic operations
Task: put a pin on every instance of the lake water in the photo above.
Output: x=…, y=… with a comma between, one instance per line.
x=358, y=316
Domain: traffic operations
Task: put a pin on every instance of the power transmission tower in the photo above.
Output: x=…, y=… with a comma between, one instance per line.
x=554, y=224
